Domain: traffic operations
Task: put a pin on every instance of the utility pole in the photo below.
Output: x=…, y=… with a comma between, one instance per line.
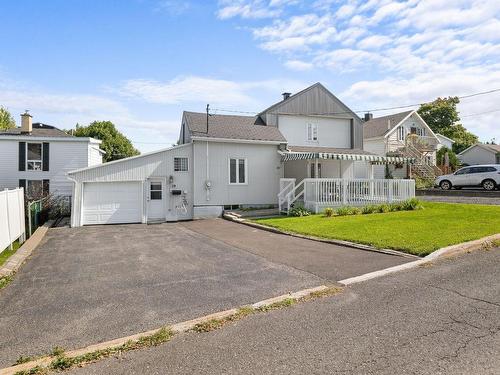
x=208, y=114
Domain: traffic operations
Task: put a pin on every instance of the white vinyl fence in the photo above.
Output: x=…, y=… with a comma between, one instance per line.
x=12, y=225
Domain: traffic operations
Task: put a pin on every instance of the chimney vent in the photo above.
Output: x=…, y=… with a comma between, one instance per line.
x=368, y=116
x=389, y=124
x=286, y=95
x=26, y=122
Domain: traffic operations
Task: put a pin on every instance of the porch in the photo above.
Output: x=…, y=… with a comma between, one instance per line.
x=318, y=180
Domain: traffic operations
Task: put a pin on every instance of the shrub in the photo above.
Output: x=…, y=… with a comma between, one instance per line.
x=344, y=211
x=299, y=211
x=329, y=212
x=411, y=204
x=369, y=209
x=393, y=207
x=383, y=208
x=355, y=211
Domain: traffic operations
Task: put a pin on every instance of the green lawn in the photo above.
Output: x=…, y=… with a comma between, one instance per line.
x=417, y=232
x=4, y=255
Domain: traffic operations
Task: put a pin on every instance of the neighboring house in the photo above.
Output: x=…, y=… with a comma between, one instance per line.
x=444, y=142
x=403, y=134
x=226, y=161
x=37, y=157
x=480, y=154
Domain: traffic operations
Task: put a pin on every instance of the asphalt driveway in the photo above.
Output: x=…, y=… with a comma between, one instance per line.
x=86, y=285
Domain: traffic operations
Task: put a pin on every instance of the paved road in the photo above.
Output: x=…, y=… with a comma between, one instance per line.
x=327, y=261
x=442, y=319
x=91, y=284
x=469, y=200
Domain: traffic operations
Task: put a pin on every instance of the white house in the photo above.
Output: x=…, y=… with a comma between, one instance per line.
x=308, y=147
x=444, y=142
x=480, y=154
x=37, y=157
x=404, y=134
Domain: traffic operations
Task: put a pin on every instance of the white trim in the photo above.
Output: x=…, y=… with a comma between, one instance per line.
x=230, y=140
x=97, y=149
x=445, y=137
x=406, y=118
x=237, y=170
x=187, y=164
x=20, y=137
x=126, y=159
x=28, y=160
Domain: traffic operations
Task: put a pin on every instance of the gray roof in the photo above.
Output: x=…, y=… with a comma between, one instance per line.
x=331, y=150
x=231, y=127
x=39, y=130
x=380, y=126
x=495, y=148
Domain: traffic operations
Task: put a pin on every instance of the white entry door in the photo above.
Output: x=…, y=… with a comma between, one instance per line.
x=156, y=199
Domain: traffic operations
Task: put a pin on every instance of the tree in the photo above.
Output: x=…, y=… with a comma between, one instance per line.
x=6, y=119
x=114, y=143
x=452, y=157
x=442, y=117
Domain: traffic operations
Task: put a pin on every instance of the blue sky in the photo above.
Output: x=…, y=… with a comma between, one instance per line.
x=140, y=63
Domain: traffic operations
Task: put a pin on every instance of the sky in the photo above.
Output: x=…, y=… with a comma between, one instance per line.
x=140, y=63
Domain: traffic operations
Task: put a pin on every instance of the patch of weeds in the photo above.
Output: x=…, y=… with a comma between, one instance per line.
x=57, y=351
x=23, y=359
x=495, y=243
x=37, y=370
x=5, y=280
x=330, y=291
x=209, y=325
x=62, y=363
x=287, y=302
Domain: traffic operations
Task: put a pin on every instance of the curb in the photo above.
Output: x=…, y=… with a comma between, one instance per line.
x=318, y=239
x=177, y=328
x=17, y=259
x=482, y=243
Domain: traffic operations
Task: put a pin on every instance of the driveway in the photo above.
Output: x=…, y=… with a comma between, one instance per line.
x=90, y=284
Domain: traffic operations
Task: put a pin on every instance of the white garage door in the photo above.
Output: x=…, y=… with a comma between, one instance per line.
x=111, y=203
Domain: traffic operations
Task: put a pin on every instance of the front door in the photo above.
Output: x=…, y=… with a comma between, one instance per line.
x=156, y=199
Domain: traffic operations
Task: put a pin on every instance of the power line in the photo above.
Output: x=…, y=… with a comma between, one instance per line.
x=480, y=113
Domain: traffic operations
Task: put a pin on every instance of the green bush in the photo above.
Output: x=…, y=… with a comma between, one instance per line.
x=365, y=210
x=329, y=212
x=383, y=208
x=411, y=205
x=344, y=211
x=355, y=211
x=299, y=211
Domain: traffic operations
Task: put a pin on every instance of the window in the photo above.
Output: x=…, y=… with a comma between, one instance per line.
x=463, y=171
x=313, y=170
x=155, y=191
x=401, y=133
x=34, y=188
x=180, y=164
x=34, y=157
x=312, y=132
x=237, y=171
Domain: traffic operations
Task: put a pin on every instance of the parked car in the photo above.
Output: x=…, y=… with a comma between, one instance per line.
x=486, y=176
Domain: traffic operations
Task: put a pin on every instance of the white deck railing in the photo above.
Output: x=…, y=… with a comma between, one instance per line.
x=320, y=193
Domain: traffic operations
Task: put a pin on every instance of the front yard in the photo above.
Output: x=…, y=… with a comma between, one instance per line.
x=417, y=232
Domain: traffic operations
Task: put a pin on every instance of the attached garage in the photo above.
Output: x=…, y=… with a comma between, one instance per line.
x=112, y=202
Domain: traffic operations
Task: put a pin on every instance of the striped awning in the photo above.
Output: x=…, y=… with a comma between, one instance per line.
x=374, y=159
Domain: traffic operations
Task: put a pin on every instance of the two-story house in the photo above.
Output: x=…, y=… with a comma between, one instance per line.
x=222, y=161
x=37, y=157
x=402, y=134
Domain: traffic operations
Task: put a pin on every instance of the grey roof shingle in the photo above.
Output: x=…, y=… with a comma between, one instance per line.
x=231, y=127
x=331, y=150
x=39, y=130
x=380, y=126
x=495, y=148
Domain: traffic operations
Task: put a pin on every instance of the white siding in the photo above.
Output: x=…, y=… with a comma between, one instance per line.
x=95, y=155
x=443, y=142
x=332, y=132
x=478, y=155
x=64, y=157
x=375, y=146
x=263, y=166
x=411, y=122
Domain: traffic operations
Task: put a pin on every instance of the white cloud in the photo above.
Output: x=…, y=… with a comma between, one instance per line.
x=249, y=9
x=298, y=65
x=374, y=42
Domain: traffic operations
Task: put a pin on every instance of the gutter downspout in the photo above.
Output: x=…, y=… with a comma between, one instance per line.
x=73, y=200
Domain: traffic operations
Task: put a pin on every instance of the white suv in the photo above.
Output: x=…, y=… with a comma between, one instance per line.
x=487, y=176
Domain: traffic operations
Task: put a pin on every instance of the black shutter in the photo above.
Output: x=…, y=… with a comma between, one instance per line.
x=46, y=154
x=46, y=187
x=22, y=183
x=22, y=156
x=352, y=134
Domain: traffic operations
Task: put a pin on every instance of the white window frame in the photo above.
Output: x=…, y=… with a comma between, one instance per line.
x=401, y=133
x=34, y=161
x=312, y=132
x=28, y=190
x=237, y=171
x=187, y=164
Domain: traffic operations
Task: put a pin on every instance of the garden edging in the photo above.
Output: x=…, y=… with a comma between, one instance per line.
x=13, y=264
x=319, y=239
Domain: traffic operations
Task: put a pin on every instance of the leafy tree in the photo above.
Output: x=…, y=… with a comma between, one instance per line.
x=442, y=117
x=116, y=145
x=452, y=157
x=6, y=120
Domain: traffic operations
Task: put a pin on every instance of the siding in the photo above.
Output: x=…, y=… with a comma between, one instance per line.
x=375, y=146
x=332, y=132
x=264, y=172
x=64, y=157
x=95, y=156
x=316, y=101
x=478, y=155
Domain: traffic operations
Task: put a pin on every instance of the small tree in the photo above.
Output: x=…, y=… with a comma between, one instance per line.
x=6, y=119
x=452, y=158
x=114, y=143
